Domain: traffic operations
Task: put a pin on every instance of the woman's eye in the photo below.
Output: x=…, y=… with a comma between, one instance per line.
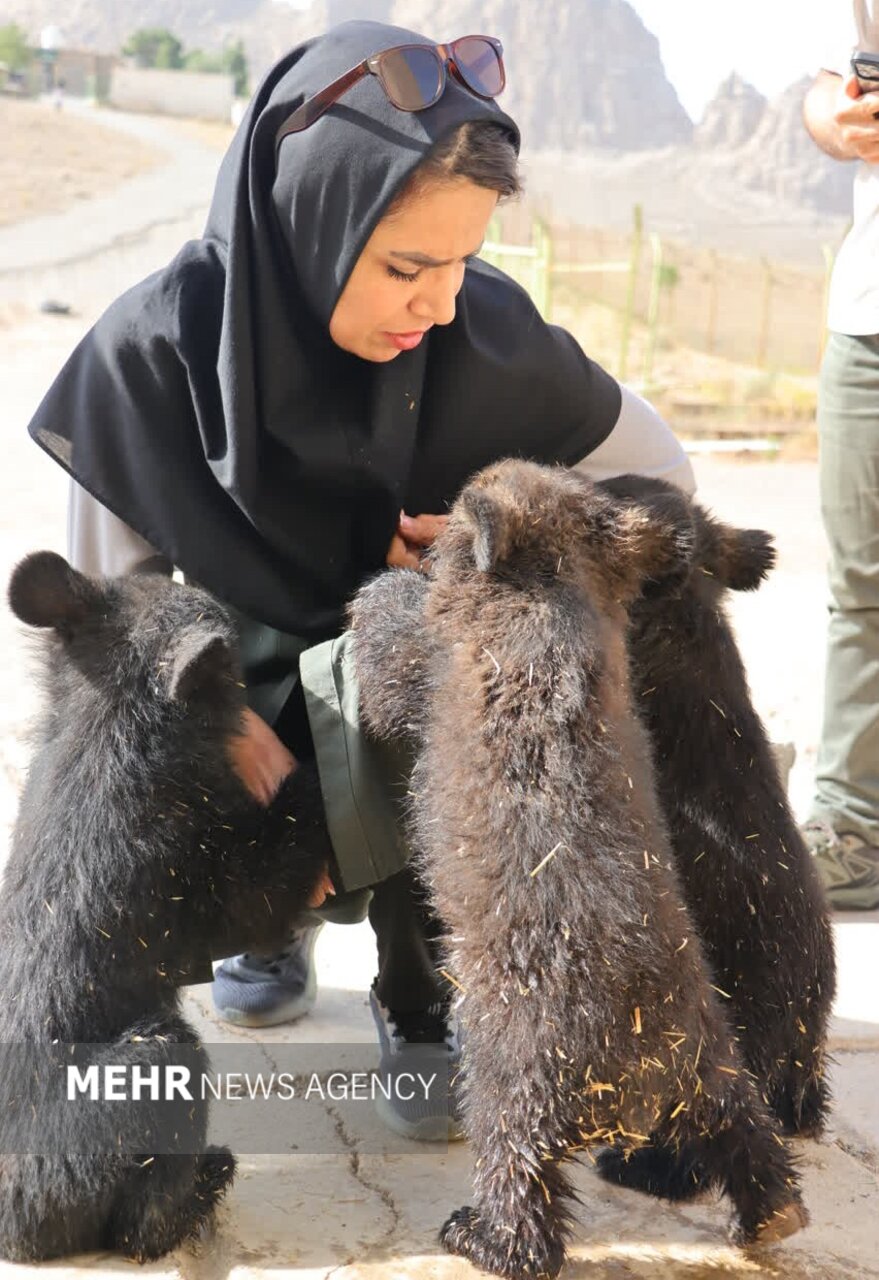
x=410, y=279
x=401, y=275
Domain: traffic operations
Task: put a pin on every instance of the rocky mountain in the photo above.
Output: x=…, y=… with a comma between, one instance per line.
x=106, y=24
x=768, y=150
x=581, y=72
x=780, y=159
x=732, y=115
x=584, y=77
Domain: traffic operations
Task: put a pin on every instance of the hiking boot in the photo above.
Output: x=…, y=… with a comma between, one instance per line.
x=415, y=1047
x=847, y=865
x=254, y=990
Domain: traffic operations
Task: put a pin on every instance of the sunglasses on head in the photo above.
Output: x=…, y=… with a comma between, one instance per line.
x=413, y=76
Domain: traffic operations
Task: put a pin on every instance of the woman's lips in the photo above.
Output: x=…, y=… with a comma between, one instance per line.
x=406, y=341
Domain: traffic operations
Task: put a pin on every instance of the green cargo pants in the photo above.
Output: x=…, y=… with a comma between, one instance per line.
x=847, y=775
x=363, y=781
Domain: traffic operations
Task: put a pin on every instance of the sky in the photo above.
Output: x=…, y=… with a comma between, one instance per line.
x=772, y=43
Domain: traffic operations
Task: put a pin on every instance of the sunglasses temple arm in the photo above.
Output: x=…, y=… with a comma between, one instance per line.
x=315, y=107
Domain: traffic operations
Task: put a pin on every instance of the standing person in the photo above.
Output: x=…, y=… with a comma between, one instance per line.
x=259, y=413
x=843, y=829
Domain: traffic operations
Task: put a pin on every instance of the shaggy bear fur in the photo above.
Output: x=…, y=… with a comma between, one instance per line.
x=136, y=851
x=590, y=1012
x=747, y=876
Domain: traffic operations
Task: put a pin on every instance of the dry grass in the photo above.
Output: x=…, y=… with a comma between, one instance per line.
x=211, y=133
x=51, y=159
x=738, y=344
x=702, y=395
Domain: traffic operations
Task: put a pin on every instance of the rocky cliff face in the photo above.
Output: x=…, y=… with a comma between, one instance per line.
x=781, y=159
x=767, y=148
x=581, y=72
x=583, y=76
x=106, y=24
x=732, y=116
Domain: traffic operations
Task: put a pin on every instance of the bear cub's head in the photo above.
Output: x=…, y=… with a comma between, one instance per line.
x=549, y=527
x=141, y=642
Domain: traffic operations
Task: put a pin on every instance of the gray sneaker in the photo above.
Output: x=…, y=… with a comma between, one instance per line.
x=847, y=865
x=414, y=1048
x=254, y=990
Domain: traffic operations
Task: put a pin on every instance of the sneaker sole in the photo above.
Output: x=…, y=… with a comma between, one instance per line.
x=427, y=1129
x=290, y=1010
x=853, y=899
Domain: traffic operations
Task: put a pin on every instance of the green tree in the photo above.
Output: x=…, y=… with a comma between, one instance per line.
x=15, y=52
x=232, y=61
x=155, y=47
x=235, y=63
x=198, y=60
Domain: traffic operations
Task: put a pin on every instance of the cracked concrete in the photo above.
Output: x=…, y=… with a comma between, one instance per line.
x=357, y=1215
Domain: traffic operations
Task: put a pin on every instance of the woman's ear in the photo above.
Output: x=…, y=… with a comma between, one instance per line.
x=44, y=591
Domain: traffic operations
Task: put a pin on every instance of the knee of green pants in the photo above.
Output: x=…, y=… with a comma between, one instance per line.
x=342, y=908
x=364, y=782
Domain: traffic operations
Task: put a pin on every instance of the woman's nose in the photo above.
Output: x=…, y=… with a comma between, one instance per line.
x=436, y=300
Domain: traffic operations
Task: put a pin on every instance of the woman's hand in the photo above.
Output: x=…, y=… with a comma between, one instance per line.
x=260, y=758
x=262, y=762
x=414, y=534
x=323, y=889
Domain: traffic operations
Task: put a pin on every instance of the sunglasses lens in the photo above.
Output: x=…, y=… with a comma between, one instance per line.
x=413, y=77
x=480, y=65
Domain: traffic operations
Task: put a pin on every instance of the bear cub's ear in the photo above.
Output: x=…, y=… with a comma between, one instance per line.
x=44, y=591
x=197, y=659
x=740, y=558
x=492, y=524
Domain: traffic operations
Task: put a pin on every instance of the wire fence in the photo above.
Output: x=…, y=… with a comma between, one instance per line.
x=763, y=314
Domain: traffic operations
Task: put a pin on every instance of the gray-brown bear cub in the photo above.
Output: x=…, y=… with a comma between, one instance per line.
x=590, y=1013
x=750, y=883
x=136, y=854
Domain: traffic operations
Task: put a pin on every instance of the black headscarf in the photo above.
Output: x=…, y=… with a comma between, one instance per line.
x=210, y=409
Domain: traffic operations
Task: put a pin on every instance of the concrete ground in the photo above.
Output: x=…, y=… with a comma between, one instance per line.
x=354, y=1214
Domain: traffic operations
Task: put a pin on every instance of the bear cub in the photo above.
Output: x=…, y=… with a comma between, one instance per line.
x=592, y=1018
x=137, y=854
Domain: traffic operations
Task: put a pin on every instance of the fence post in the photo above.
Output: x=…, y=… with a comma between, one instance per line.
x=765, y=314
x=713, y=299
x=543, y=264
x=653, y=307
x=635, y=263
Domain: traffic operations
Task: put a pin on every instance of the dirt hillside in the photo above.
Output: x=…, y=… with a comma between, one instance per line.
x=50, y=159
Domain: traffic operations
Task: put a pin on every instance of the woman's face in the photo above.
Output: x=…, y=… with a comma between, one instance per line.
x=411, y=270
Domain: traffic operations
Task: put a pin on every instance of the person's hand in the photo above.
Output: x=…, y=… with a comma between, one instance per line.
x=323, y=889
x=260, y=758
x=855, y=117
x=262, y=762
x=413, y=536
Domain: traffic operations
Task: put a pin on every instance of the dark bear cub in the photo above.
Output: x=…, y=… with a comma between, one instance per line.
x=136, y=854
x=749, y=881
x=591, y=1016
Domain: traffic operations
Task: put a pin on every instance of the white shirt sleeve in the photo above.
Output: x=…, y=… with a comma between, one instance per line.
x=102, y=545
x=642, y=444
